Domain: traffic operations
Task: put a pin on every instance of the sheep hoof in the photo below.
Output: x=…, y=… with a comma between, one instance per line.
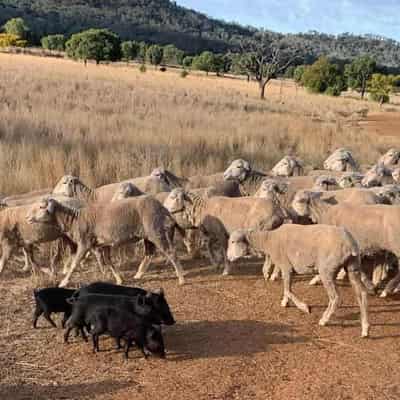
x=138, y=276
x=322, y=322
x=181, y=282
x=365, y=332
x=63, y=283
x=119, y=281
x=284, y=303
x=383, y=294
x=315, y=281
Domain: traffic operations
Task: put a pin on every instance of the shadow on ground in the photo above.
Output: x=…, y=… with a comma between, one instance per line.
x=50, y=392
x=211, y=339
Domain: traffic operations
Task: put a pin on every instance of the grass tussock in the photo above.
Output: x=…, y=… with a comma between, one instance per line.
x=108, y=123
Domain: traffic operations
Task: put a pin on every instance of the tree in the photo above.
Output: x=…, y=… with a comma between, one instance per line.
x=8, y=40
x=187, y=62
x=359, y=72
x=239, y=65
x=130, y=50
x=289, y=73
x=172, y=55
x=204, y=62
x=266, y=56
x=323, y=77
x=54, y=42
x=222, y=63
x=142, y=52
x=94, y=44
x=17, y=27
x=155, y=54
x=379, y=87
x=298, y=73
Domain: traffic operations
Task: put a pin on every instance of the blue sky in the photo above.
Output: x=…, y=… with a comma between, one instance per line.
x=380, y=17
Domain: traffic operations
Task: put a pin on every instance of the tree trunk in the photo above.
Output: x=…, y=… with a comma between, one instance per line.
x=262, y=85
x=85, y=62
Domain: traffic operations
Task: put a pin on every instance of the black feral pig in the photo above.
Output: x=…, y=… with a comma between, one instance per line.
x=121, y=324
x=84, y=306
x=156, y=299
x=52, y=300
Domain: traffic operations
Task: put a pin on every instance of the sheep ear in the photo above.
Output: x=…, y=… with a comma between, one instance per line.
x=161, y=292
x=247, y=166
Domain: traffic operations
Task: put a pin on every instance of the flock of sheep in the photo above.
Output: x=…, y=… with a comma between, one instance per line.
x=332, y=222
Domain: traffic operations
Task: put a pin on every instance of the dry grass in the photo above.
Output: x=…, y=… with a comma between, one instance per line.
x=108, y=123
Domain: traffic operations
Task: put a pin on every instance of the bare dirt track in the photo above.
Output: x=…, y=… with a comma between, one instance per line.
x=232, y=341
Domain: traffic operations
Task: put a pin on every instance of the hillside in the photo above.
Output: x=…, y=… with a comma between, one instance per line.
x=159, y=21
x=164, y=22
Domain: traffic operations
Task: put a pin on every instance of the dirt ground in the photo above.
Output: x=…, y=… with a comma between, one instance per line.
x=232, y=340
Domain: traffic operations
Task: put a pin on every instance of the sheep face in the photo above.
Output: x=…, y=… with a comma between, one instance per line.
x=391, y=157
x=396, y=175
x=238, y=170
x=41, y=212
x=350, y=180
x=175, y=202
x=69, y=185
x=126, y=190
x=375, y=176
x=341, y=160
x=288, y=166
x=269, y=186
x=325, y=183
x=301, y=203
x=238, y=245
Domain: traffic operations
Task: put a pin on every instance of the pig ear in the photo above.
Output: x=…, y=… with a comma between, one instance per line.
x=140, y=300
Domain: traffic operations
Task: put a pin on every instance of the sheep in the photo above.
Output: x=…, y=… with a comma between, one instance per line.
x=373, y=226
x=341, y=160
x=160, y=180
x=68, y=186
x=350, y=179
x=216, y=217
x=288, y=166
x=390, y=159
x=300, y=248
x=16, y=232
x=389, y=194
x=378, y=175
x=111, y=224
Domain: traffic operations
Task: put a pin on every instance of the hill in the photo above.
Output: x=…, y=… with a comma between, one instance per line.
x=164, y=22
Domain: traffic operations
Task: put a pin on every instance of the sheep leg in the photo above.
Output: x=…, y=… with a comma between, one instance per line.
x=328, y=280
x=7, y=250
x=287, y=292
x=100, y=261
x=143, y=267
x=341, y=275
x=180, y=273
x=275, y=274
x=107, y=255
x=315, y=281
x=362, y=299
x=392, y=284
x=27, y=265
x=80, y=254
x=267, y=267
x=227, y=265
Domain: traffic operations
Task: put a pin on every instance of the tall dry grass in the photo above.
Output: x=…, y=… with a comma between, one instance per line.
x=107, y=123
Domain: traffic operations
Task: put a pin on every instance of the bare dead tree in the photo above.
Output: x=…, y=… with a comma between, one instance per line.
x=266, y=56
